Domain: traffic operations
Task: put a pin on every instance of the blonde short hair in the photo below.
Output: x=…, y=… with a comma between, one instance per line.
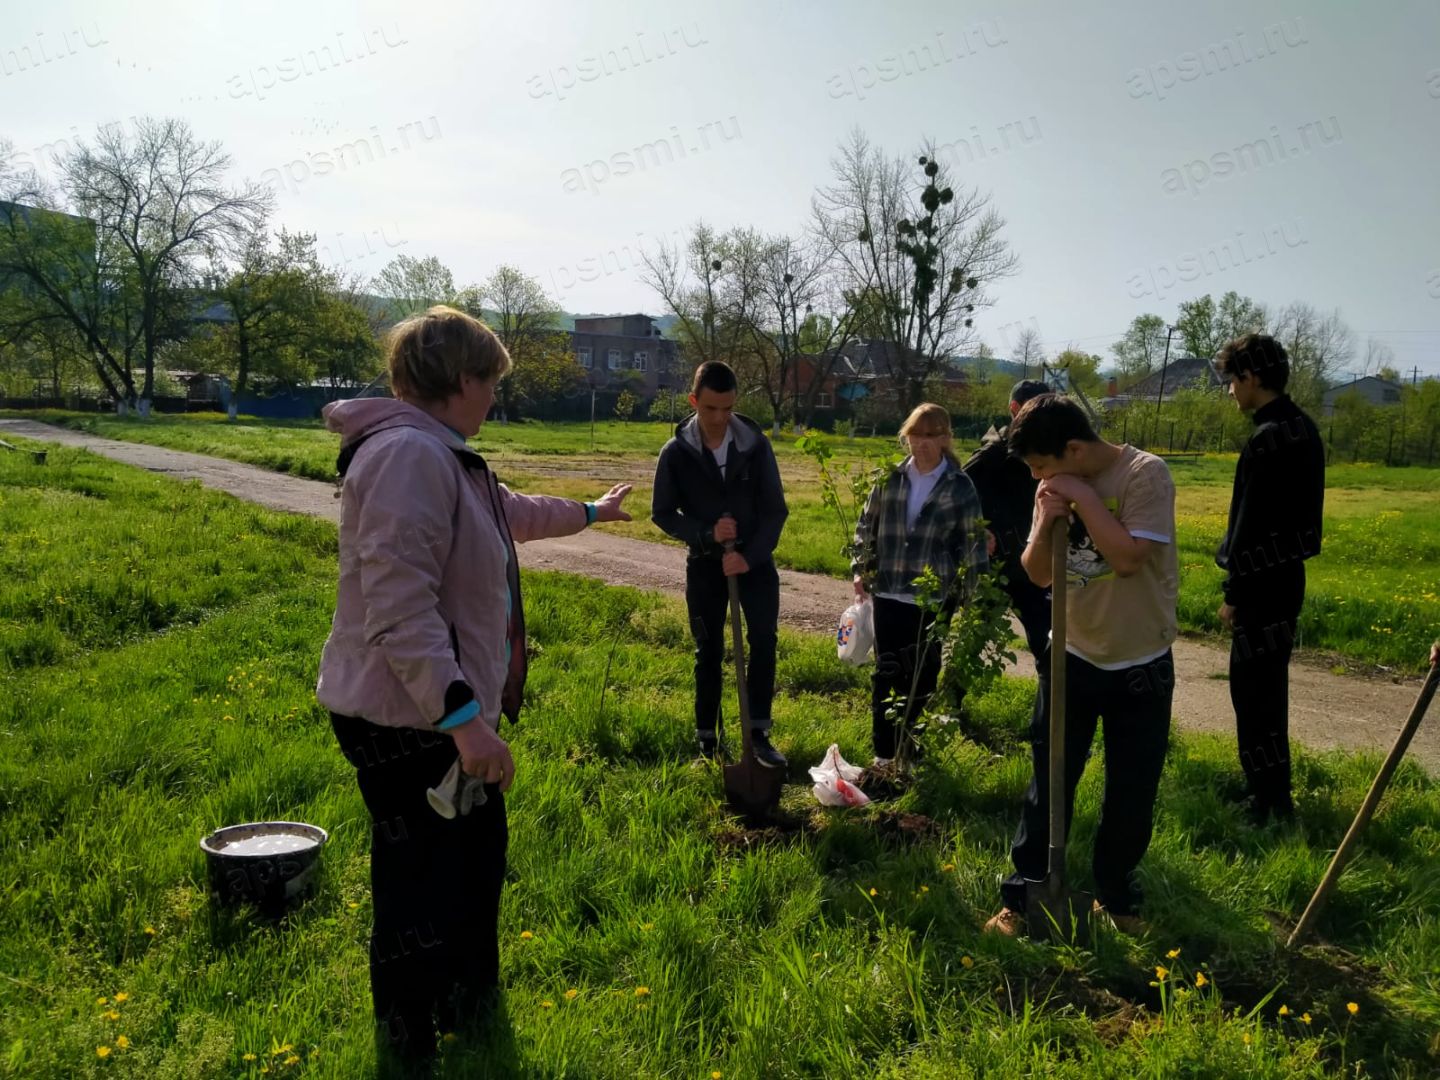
x=427, y=354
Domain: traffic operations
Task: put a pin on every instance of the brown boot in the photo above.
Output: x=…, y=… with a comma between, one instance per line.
x=1006, y=922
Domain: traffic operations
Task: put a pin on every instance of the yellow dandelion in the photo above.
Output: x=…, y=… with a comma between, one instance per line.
x=874, y=892
x=283, y=1050
x=948, y=867
x=924, y=888
x=647, y=926
x=715, y=1074
x=526, y=935
x=247, y=1057
x=121, y=997
x=291, y=1060
x=1200, y=979
x=1352, y=1008
x=448, y=1037
x=1161, y=972
x=1173, y=953
x=122, y=1042
x=102, y=1001
x=102, y=1051
x=150, y=931
x=1245, y=1038
x=352, y=905
x=571, y=994
x=112, y=1015
x=1305, y=1018
x=547, y=1004
x=966, y=962
x=1284, y=1010
x=642, y=991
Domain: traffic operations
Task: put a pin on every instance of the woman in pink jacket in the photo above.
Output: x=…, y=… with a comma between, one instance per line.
x=426, y=651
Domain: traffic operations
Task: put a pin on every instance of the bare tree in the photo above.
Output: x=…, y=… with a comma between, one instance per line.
x=1028, y=351
x=1319, y=347
x=160, y=207
x=1379, y=358
x=710, y=323
x=923, y=253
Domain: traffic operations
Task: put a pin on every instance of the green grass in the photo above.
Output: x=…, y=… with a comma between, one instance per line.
x=845, y=948
x=1373, y=595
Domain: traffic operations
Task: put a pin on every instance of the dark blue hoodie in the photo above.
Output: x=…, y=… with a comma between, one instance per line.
x=691, y=494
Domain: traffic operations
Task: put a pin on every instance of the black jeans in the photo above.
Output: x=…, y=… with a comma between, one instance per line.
x=707, y=598
x=1260, y=649
x=1135, y=703
x=898, y=643
x=435, y=887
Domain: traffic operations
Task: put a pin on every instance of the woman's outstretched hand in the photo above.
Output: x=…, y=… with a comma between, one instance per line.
x=608, y=508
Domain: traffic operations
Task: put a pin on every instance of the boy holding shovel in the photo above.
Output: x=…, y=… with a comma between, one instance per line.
x=1122, y=580
x=717, y=484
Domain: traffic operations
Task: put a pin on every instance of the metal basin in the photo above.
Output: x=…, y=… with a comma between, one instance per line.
x=270, y=864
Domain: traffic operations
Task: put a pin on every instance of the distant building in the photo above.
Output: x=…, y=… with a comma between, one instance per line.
x=1181, y=373
x=628, y=351
x=1371, y=388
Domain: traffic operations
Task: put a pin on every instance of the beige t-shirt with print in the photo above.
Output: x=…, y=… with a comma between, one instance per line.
x=1117, y=622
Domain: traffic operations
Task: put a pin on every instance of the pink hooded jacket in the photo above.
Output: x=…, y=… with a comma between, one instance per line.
x=423, y=594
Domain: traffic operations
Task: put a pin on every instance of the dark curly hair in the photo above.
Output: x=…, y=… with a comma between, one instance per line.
x=1257, y=353
x=1046, y=424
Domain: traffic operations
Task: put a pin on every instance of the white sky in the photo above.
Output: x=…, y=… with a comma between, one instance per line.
x=1353, y=220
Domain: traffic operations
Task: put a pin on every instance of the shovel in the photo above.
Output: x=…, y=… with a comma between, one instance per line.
x=751, y=789
x=1367, y=808
x=1052, y=911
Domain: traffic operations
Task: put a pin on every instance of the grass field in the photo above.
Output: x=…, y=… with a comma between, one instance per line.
x=1373, y=596
x=158, y=646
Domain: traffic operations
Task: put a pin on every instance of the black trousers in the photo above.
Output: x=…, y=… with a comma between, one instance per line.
x=1031, y=605
x=435, y=887
x=1135, y=704
x=707, y=598
x=1264, y=638
x=899, y=648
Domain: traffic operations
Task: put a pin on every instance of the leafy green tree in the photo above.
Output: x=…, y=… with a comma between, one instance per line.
x=1205, y=326
x=1141, y=350
x=410, y=285
x=625, y=405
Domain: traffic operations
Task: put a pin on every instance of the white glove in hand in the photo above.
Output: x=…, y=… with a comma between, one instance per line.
x=458, y=793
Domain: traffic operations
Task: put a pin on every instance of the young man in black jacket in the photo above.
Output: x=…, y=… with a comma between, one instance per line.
x=717, y=482
x=1007, y=498
x=1274, y=527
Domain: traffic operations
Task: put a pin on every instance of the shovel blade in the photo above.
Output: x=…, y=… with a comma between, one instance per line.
x=753, y=790
x=1055, y=913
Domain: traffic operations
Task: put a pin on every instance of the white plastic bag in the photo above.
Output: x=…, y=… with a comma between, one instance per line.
x=835, y=780
x=855, y=636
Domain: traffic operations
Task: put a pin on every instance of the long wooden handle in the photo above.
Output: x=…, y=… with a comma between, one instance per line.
x=737, y=635
x=1367, y=808
x=1059, y=541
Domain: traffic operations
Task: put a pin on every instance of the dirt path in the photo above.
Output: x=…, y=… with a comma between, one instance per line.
x=1326, y=710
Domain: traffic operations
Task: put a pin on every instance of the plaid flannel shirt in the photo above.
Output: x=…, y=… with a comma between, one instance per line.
x=948, y=537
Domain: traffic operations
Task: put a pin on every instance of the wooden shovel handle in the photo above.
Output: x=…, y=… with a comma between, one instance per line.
x=1367, y=808
x=737, y=635
x=1059, y=542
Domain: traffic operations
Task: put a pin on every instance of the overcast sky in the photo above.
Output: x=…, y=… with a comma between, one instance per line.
x=1141, y=154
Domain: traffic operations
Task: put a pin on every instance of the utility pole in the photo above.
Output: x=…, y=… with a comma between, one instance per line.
x=1169, y=330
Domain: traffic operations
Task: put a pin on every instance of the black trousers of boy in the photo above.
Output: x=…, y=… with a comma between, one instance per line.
x=1135, y=703
x=707, y=598
x=899, y=646
x=1264, y=637
x=435, y=886
x=1031, y=605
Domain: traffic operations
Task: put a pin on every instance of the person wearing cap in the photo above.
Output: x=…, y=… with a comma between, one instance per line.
x=1007, y=498
x=426, y=652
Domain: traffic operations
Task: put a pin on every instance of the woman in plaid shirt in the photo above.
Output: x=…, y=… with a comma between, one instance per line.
x=924, y=514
